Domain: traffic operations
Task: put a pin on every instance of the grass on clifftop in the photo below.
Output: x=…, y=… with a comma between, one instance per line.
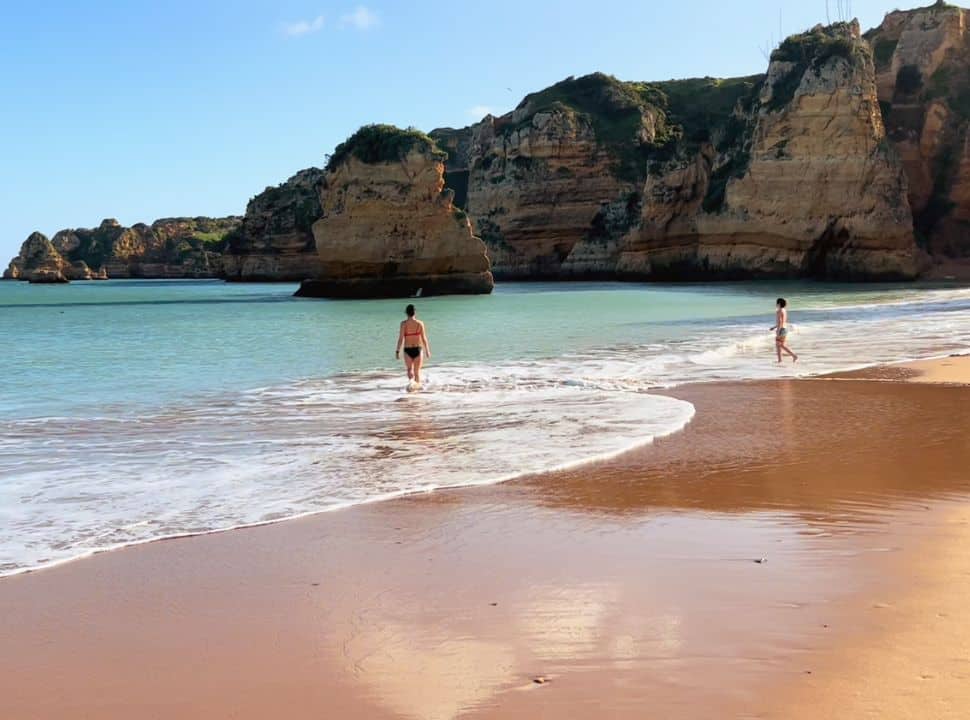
x=615, y=110
x=699, y=105
x=680, y=110
x=614, y=107
x=383, y=143
x=817, y=45
x=810, y=51
x=215, y=237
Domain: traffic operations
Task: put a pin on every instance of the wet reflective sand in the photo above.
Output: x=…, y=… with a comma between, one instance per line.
x=718, y=573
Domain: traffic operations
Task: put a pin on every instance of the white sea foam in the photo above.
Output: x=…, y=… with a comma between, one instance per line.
x=71, y=488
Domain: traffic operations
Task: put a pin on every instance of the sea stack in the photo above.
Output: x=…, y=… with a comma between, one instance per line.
x=389, y=227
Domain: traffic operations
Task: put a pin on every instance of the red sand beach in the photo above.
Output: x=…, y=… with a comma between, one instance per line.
x=801, y=549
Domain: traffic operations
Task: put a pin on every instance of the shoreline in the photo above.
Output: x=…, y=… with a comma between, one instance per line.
x=601, y=577
x=949, y=369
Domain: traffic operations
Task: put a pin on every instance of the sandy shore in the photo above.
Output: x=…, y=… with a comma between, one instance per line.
x=800, y=550
x=954, y=370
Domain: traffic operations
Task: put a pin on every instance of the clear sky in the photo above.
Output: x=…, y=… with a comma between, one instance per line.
x=140, y=109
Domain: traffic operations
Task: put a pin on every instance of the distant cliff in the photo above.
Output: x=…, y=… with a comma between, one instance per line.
x=168, y=248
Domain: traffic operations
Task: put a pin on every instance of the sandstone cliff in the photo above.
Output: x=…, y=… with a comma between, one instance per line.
x=40, y=261
x=389, y=227
x=168, y=248
x=275, y=239
x=923, y=77
x=810, y=187
x=791, y=173
x=849, y=159
x=543, y=178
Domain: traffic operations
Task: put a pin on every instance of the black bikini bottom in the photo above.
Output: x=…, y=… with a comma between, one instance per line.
x=413, y=352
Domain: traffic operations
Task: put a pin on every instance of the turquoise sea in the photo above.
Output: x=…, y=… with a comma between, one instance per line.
x=134, y=410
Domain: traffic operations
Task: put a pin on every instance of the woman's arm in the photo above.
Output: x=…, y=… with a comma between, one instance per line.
x=400, y=341
x=424, y=339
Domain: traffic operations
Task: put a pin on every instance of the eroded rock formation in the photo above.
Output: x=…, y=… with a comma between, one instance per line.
x=40, y=261
x=542, y=180
x=792, y=173
x=849, y=159
x=275, y=240
x=168, y=248
x=813, y=189
x=923, y=76
x=389, y=227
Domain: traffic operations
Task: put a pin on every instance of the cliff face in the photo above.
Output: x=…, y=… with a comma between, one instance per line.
x=168, y=248
x=544, y=181
x=275, y=239
x=810, y=188
x=788, y=174
x=389, y=227
x=923, y=77
x=40, y=261
x=849, y=159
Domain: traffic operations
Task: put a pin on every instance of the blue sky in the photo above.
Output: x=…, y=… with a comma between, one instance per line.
x=139, y=110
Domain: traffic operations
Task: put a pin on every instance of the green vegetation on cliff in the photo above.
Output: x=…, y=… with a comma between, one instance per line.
x=810, y=51
x=953, y=88
x=641, y=123
x=700, y=106
x=214, y=240
x=817, y=45
x=383, y=143
x=95, y=245
x=615, y=108
x=882, y=51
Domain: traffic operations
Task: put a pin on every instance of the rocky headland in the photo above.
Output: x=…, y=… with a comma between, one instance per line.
x=168, y=248
x=388, y=226
x=848, y=159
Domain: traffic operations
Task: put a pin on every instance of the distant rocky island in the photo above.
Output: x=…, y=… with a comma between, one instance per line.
x=849, y=159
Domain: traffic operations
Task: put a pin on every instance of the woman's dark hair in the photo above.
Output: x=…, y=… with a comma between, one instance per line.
x=409, y=310
x=781, y=302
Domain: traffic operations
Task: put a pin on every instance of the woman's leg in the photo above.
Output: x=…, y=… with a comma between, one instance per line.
x=417, y=367
x=409, y=364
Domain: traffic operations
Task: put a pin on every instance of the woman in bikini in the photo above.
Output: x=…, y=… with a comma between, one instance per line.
x=781, y=330
x=414, y=339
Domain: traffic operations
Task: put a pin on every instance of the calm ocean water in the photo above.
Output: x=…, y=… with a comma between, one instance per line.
x=134, y=410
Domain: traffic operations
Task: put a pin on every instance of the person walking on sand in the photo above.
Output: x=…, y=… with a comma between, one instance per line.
x=414, y=338
x=781, y=330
